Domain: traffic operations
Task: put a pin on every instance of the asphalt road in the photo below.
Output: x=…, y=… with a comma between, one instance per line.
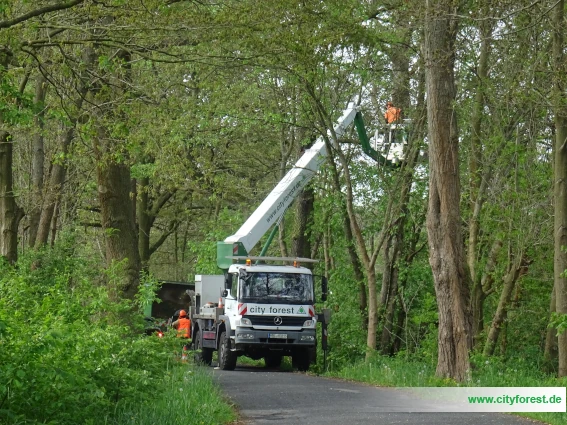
x=291, y=398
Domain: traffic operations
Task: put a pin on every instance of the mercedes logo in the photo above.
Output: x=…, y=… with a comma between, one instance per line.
x=278, y=320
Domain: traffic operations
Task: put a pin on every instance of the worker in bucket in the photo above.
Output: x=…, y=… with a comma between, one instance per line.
x=183, y=327
x=392, y=114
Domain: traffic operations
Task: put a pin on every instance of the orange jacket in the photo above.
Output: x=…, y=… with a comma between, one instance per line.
x=183, y=326
x=392, y=114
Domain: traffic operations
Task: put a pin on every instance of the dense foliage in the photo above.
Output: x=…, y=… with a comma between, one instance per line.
x=150, y=130
x=67, y=355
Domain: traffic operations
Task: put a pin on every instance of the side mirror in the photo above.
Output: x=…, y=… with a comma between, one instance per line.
x=323, y=288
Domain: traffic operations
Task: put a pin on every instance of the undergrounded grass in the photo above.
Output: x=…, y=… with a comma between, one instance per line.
x=397, y=372
x=187, y=396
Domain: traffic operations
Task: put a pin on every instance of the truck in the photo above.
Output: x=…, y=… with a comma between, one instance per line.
x=264, y=307
x=266, y=311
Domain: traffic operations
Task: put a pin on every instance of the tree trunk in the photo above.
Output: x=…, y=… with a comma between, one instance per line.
x=281, y=239
x=550, y=350
x=509, y=283
x=356, y=267
x=144, y=223
x=446, y=252
x=52, y=196
x=396, y=243
x=351, y=248
x=114, y=190
x=369, y=262
x=481, y=288
x=117, y=217
x=389, y=290
x=560, y=179
x=38, y=160
x=477, y=195
x=400, y=59
x=389, y=313
x=392, y=251
x=303, y=223
x=372, y=313
x=398, y=331
x=475, y=156
x=477, y=305
x=285, y=153
x=54, y=220
x=10, y=213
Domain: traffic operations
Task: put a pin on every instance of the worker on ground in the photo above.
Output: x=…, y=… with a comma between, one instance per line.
x=392, y=114
x=183, y=326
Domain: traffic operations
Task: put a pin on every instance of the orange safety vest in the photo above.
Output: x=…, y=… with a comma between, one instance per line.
x=392, y=114
x=183, y=327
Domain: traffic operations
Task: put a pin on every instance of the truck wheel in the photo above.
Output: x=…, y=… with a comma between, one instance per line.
x=273, y=360
x=301, y=360
x=227, y=358
x=202, y=355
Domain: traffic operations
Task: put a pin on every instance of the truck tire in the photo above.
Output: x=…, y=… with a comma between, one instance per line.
x=202, y=355
x=227, y=358
x=273, y=360
x=301, y=360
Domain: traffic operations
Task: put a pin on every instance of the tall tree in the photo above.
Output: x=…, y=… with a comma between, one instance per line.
x=477, y=184
x=560, y=178
x=38, y=158
x=446, y=250
x=10, y=212
x=113, y=175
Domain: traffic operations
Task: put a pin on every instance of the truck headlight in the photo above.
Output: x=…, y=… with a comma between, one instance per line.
x=308, y=324
x=307, y=338
x=245, y=336
x=245, y=322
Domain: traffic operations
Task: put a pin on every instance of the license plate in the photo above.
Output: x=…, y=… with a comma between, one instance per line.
x=277, y=336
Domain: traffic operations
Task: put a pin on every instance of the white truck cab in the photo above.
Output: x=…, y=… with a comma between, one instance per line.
x=265, y=311
x=271, y=309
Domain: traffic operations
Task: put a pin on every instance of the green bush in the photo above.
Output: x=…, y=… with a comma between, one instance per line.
x=66, y=355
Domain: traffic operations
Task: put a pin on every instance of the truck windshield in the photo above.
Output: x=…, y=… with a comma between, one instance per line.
x=270, y=287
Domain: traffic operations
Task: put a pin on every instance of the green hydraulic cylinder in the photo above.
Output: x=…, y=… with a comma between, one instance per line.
x=269, y=241
x=365, y=142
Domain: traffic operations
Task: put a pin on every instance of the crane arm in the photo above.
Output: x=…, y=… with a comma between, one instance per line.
x=281, y=197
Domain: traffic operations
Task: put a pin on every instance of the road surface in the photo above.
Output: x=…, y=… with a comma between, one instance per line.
x=275, y=397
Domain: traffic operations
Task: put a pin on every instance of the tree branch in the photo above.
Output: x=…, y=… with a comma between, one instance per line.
x=41, y=11
x=172, y=226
